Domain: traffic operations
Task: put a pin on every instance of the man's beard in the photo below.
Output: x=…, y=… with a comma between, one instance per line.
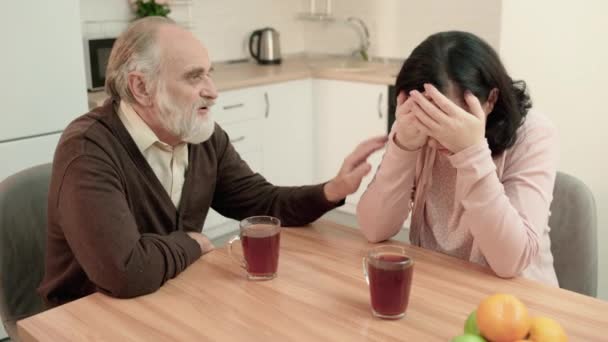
x=183, y=121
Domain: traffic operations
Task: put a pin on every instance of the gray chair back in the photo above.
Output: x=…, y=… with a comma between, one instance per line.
x=23, y=207
x=573, y=235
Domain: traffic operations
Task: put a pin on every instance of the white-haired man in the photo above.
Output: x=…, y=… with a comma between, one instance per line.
x=133, y=180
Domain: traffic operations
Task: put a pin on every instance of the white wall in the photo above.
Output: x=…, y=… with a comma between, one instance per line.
x=223, y=26
x=397, y=26
x=560, y=49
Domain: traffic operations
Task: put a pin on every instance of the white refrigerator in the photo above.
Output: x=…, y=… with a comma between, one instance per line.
x=43, y=83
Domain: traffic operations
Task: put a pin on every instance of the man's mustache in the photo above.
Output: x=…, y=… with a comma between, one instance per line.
x=205, y=103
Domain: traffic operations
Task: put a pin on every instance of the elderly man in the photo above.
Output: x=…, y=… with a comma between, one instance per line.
x=133, y=180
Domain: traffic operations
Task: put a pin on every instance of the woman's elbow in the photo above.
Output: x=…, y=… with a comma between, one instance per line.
x=373, y=236
x=512, y=268
x=506, y=273
x=371, y=229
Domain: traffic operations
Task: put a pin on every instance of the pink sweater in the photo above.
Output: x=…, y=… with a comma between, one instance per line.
x=491, y=211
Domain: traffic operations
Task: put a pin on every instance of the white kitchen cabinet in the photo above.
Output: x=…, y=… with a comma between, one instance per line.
x=347, y=113
x=287, y=132
x=240, y=105
x=22, y=154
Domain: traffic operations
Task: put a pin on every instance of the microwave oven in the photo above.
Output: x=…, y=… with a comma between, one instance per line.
x=96, y=54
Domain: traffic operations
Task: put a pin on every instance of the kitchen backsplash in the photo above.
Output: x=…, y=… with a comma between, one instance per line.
x=223, y=26
x=396, y=26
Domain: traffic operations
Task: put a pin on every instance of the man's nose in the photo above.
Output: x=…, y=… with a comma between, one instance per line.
x=209, y=90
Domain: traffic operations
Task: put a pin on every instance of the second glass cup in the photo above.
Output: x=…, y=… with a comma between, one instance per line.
x=260, y=238
x=388, y=272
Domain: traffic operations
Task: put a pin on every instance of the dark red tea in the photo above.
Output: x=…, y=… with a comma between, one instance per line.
x=261, y=250
x=389, y=284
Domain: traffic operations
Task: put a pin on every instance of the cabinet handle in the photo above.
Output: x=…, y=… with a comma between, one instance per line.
x=380, y=105
x=237, y=105
x=267, y=104
x=236, y=140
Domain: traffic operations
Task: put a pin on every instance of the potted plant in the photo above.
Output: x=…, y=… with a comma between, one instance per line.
x=147, y=8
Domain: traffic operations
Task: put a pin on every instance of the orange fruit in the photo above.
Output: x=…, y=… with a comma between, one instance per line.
x=503, y=318
x=545, y=329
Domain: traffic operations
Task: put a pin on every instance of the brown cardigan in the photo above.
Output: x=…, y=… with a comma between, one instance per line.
x=112, y=227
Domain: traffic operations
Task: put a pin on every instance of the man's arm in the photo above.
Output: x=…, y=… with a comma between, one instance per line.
x=241, y=193
x=102, y=233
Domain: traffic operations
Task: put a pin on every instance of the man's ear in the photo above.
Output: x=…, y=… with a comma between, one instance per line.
x=137, y=85
x=488, y=106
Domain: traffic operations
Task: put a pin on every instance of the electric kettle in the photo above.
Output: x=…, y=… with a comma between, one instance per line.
x=265, y=47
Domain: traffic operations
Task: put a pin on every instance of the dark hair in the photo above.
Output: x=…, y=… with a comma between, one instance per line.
x=470, y=64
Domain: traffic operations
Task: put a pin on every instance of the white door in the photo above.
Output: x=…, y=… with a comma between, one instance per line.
x=288, y=133
x=346, y=114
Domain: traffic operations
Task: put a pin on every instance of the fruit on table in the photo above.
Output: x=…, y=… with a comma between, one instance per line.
x=468, y=338
x=545, y=329
x=470, y=326
x=503, y=318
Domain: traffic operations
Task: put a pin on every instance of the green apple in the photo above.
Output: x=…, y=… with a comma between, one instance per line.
x=468, y=338
x=470, y=326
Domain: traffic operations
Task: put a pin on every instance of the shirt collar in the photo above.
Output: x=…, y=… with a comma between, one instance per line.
x=142, y=134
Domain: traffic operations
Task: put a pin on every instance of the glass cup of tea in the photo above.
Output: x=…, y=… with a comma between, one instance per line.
x=388, y=272
x=260, y=238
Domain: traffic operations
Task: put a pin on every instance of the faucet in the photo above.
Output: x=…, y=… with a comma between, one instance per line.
x=364, y=35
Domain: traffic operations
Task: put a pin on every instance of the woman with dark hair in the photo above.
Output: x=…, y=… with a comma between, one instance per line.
x=474, y=166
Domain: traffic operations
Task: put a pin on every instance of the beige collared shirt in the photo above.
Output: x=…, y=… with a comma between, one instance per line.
x=168, y=163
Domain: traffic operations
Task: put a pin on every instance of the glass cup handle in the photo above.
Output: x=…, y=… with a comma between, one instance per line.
x=364, y=264
x=240, y=261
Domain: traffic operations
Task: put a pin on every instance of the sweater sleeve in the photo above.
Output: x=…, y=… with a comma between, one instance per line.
x=385, y=205
x=241, y=193
x=508, y=218
x=103, y=235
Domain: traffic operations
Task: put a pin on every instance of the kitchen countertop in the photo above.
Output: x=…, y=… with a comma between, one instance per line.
x=231, y=75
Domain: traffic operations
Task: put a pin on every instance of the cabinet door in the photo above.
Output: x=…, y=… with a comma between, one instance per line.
x=346, y=114
x=22, y=154
x=239, y=105
x=288, y=133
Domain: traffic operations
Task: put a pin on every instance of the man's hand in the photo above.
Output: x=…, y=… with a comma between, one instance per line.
x=354, y=168
x=203, y=242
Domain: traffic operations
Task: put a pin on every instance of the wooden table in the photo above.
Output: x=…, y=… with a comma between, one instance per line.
x=319, y=295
